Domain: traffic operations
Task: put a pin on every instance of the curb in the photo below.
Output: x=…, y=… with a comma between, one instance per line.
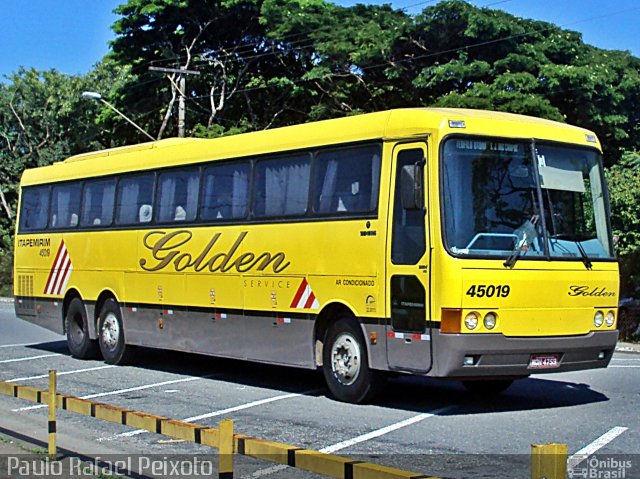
x=6, y=300
x=10, y=445
x=628, y=348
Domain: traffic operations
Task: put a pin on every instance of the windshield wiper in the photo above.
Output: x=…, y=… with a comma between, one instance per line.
x=583, y=254
x=510, y=262
x=525, y=234
x=577, y=240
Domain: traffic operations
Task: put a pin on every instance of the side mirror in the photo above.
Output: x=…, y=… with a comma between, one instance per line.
x=411, y=186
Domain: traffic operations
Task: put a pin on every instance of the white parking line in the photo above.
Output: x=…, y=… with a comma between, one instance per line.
x=215, y=413
x=17, y=345
x=17, y=360
x=63, y=373
x=624, y=366
x=121, y=391
x=358, y=439
x=590, y=449
x=385, y=430
x=625, y=359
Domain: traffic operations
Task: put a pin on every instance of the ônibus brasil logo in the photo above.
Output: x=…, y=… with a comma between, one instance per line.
x=60, y=271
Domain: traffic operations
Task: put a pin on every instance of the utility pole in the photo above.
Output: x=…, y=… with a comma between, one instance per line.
x=182, y=86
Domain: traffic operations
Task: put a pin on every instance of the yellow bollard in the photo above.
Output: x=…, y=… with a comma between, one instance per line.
x=548, y=461
x=225, y=450
x=53, y=453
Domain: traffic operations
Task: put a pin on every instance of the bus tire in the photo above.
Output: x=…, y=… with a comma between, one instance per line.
x=488, y=386
x=76, y=325
x=346, y=363
x=111, y=334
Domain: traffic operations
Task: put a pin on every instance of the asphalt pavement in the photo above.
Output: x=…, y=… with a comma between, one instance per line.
x=418, y=424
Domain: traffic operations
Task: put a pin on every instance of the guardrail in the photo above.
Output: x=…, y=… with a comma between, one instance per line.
x=547, y=461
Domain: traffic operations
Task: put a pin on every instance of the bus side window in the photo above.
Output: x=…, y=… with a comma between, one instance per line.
x=65, y=205
x=178, y=196
x=347, y=180
x=225, y=192
x=133, y=193
x=408, y=240
x=97, y=203
x=34, y=208
x=282, y=186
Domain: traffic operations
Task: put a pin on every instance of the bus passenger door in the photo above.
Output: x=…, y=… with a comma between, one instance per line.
x=408, y=333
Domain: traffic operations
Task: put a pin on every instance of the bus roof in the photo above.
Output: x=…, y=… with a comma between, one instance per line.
x=387, y=125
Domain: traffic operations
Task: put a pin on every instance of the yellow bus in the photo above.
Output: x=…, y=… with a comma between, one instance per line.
x=449, y=243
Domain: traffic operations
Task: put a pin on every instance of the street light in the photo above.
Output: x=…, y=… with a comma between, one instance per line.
x=92, y=95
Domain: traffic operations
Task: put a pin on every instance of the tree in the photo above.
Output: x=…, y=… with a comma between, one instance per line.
x=347, y=54
x=624, y=189
x=43, y=119
x=481, y=58
x=222, y=39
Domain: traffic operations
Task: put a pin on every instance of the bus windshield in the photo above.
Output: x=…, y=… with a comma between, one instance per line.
x=501, y=197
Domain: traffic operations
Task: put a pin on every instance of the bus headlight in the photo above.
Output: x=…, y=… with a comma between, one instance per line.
x=471, y=321
x=610, y=319
x=598, y=319
x=490, y=320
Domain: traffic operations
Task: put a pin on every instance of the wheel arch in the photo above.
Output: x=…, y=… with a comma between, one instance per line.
x=102, y=298
x=327, y=316
x=68, y=297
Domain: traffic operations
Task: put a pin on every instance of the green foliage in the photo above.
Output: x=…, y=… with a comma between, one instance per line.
x=43, y=119
x=6, y=268
x=624, y=190
x=268, y=63
x=217, y=131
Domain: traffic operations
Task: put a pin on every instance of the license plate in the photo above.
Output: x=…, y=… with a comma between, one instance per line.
x=543, y=361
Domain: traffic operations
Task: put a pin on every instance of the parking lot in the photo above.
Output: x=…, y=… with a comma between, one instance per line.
x=423, y=425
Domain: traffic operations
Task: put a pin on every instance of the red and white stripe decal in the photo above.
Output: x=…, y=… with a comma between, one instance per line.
x=60, y=272
x=304, y=298
x=415, y=337
x=167, y=312
x=220, y=315
x=284, y=320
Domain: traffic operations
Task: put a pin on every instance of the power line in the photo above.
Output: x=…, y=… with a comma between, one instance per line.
x=408, y=59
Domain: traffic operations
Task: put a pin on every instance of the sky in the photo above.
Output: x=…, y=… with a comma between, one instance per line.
x=73, y=35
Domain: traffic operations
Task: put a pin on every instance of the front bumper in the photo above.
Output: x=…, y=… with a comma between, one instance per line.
x=496, y=355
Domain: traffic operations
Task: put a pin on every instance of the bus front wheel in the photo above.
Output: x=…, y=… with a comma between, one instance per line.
x=111, y=334
x=77, y=327
x=346, y=365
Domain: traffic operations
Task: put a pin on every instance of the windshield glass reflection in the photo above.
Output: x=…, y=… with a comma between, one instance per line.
x=491, y=200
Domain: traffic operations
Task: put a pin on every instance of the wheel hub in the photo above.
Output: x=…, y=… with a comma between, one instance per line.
x=77, y=333
x=345, y=359
x=110, y=331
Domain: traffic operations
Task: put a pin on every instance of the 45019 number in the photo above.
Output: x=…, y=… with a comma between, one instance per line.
x=489, y=290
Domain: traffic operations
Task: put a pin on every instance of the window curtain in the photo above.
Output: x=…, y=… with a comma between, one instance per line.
x=128, y=207
x=193, y=183
x=287, y=189
x=328, y=191
x=107, y=204
x=240, y=193
x=166, y=200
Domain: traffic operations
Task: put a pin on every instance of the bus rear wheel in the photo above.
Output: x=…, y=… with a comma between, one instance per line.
x=111, y=335
x=77, y=327
x=346, y=364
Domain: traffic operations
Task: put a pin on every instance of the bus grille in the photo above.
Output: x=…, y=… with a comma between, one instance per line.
x=25, y=302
